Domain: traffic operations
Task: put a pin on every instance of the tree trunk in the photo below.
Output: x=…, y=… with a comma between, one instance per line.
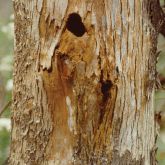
x=84, y=75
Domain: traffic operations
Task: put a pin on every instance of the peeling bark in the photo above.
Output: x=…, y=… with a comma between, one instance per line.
x=83, y=94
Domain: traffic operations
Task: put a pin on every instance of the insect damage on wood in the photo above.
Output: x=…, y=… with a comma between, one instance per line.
x=75, y=25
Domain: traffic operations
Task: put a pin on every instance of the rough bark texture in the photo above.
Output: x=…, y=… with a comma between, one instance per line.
x=83, y=83
x=157, y=16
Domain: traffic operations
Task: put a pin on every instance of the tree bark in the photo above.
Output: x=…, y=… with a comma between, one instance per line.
x=84, y=77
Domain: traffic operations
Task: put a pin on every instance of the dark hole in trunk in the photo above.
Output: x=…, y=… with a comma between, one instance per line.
x=75, y=25
x=106, y=85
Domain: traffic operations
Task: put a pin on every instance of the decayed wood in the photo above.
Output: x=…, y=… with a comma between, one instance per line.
x=83, y=96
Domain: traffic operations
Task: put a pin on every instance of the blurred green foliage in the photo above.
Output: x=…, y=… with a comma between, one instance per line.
x=6, y=58
x=4, y=144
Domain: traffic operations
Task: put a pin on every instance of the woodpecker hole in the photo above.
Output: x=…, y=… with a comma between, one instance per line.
x=75, y=25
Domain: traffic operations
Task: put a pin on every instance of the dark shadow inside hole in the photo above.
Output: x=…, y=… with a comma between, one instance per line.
x=75, y=25
x=106, y=85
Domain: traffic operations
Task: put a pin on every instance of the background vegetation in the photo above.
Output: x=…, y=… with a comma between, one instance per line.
x=6, y=59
